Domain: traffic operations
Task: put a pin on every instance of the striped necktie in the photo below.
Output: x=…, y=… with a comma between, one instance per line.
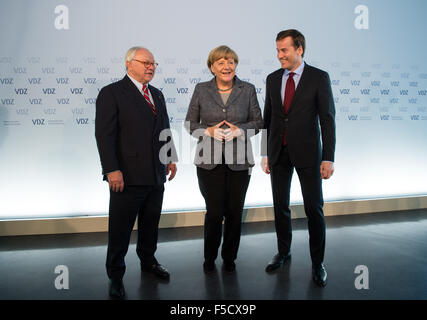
x=147, y=98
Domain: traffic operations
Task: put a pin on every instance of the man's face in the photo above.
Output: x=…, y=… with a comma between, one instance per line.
x=137, y=66
x=289, y=57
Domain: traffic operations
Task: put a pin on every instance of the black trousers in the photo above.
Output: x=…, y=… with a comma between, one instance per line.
x=224, y=191
x=144, y=202
x=311, y=187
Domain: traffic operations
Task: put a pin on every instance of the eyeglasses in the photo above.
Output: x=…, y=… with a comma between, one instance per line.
x=147, y=64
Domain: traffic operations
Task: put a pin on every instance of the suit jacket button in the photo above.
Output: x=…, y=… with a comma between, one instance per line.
x=223, y=110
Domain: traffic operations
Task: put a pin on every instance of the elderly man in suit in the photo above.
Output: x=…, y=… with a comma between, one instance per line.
x=130, y=115
x=298, y=99
x=223, y=114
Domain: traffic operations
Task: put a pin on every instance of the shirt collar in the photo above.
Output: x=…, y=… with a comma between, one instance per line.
x=136, y=83
x=298, y=71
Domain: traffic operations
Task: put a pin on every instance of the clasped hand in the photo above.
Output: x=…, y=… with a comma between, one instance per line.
x=220, y=134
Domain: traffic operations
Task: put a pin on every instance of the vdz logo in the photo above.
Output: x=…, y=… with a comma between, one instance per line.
x=354, y=100
x=413, y=84
x=256, y=71
x=8, y=102
x=75, y=70
x=375, y=100
x=49, y=111
x=385, y=92
x=103, y=70
x=82, y=121
x=114, y=80
x=170, y=100
x=89, y=80
x=345, y=73
x=182, y=90
x=385, y=117
x=394, y=83
x=90, y=100
x=195, y=80
x=365, y=91
x=62, y=80
x=375, y=83
x=355, y=82
x=336, y=99
x=48, y=70
x=33, y=60
x=352, y=117
x=49, y=91
x=34, y=80
x=366, y=74
x=386, y=74
x=76, y=111
x=6, y=81
x=182, y=70
x=20, y=70
x=394, y=100
x=403, y=92
x=21, y=91
x=38, y=122
x=404, y=75
x=415, y=117
x=422, y=92
x=63, y=101
x=412, y=101
x=35, y=101
x=22, y=111
x=345, y=91
x=258, y=90
x=335, y=82
x=169, y=80
x=76, y=90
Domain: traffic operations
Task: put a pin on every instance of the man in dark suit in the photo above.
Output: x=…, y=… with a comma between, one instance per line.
x=130, y=115
x=298, y=99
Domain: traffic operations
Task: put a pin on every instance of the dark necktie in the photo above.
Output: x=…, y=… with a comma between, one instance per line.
x=147, y=98
x=289, y=94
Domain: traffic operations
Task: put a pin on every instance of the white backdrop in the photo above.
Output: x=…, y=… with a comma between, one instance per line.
x=56, y=55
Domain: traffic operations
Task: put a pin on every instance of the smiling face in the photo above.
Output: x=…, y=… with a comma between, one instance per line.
x=224, y=70
x=138, y=70
x=290, y=57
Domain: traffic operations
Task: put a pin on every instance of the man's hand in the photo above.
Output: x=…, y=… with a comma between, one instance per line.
x=326, y=169
x=264, y=165
x=231, y=132
x=171, y=169
x=115, y=179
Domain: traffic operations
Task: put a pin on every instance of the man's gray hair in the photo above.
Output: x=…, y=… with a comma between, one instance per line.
x=130, y=54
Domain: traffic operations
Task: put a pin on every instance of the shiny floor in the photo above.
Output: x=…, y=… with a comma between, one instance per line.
x=369, y=256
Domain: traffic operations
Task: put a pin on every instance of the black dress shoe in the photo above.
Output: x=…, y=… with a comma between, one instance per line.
x=319, y=275
x=117, y=290
x=229, y=266
x=157, y=269
x=208, y=266
x=277, y=261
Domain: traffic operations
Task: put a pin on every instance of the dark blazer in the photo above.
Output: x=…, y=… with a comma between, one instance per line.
x=207, y=109
x=312, y=104
x=127, y=133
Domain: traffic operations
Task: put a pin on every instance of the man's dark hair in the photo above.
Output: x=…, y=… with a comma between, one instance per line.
x=297, y=38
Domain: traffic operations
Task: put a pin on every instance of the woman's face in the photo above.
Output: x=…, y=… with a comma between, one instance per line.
x=224, y=69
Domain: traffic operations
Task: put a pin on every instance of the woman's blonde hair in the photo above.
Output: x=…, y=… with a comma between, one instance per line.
x=221, y=52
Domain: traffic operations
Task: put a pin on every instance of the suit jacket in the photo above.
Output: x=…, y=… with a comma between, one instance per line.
x=128, y=134
x=207, y=109
x=312, y=104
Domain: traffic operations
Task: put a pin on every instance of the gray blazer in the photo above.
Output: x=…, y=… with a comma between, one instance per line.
x=207, y=109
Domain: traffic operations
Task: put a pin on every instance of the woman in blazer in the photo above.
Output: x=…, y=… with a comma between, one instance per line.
x=223, y=114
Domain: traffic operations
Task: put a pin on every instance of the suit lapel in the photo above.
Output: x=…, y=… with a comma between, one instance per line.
x=237, y=90
x=277, y=91
x=213, y=91
x=301, y=85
